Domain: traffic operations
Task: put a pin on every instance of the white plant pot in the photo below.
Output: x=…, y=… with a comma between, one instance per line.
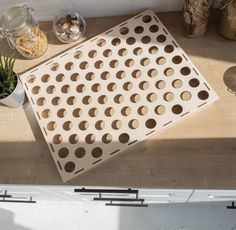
x=16, y=98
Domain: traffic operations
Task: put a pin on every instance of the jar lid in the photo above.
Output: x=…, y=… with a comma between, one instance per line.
x=16, y=20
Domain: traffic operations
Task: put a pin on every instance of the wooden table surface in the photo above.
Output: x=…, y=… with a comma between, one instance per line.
x=199, y=152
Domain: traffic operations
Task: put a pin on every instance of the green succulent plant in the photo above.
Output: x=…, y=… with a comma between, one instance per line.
x=8, y=78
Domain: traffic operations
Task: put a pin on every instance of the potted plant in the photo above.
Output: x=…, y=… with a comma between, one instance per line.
x=11, y=90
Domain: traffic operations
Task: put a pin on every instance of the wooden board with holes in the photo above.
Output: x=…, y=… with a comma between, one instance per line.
x=112, y=91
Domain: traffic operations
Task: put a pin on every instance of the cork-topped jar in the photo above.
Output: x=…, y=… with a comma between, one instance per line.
x=22, y=32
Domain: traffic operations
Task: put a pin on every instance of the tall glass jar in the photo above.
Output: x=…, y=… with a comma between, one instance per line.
x=22, y=32
x=228, y=19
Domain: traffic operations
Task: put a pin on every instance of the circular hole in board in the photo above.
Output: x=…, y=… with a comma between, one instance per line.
x=136, y=73
x=177, y=59
x=103, y=99
x=129, y=62
x=77, y=112
x=177, y=83
x=107, y=138
x=130, y=40
x=153, y=28
x=107, y=53
x=133, y=124
x=61, y=113
x=63, y=152
x=194, y=82
x=138, y=29
x=98, y=64
x=105, y=75
x=145, y=62
x=80, y=152
x=185, y=71
x=78, y=54
x=118, y=98
x=101, y=42
x=138, y=51
x=73, y=139
x=111, y=87
x=150, y=123
x=151, y=97
x=36, y=90
x=69, y=66
x=143, y=110
x=168, y=96
x=203, y=95
x=84, y=65
x=109, y=111
x=117, y=124
x=161, y=61
x=115, y=41
x=126, y=111
x=152, y=73
x=177, y=109
x=67, y=125
x=135, y=98
x=144, y=85
x=114, y=64
x=124, y=138
x=57, y=139
x=83, y=125
x=93, y=112
x=41, y=101
x=100, y=125
x=65, y=89
x=87, y=100
x=45, y=78
x=120, y=74
x=160, y=84
x=96, y=88
x=69, y=167
x=89, y=76
x=147, y=19
x=60, y=77
x=56, y=101
x=55, y=66
x=127, y=86
x=169, y=48
x=97, y=152
x=160, y=109
x=169, y=72
x=146, y=39
x=71, y=100
x=90, y=139
x=52, y=125
x=185, y=96
x=31, y=79
x=161, y=38
x=80, y=88
x=74, y=77
x=153, y=50
x=124, y=30
x=46, y=113
x=122, y=52
x=92, y=53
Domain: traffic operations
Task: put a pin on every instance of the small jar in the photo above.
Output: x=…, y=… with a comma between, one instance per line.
x=228, y=19
x=22, y=32
x=69, y=26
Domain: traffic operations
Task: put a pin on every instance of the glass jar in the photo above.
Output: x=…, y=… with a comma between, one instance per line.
x=228, y=19
x=22, y=32
x=69, y=26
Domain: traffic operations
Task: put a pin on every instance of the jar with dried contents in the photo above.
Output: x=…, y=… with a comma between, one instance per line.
x=228, y=19
x=22, y=32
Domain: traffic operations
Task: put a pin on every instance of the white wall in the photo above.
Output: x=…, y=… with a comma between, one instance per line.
x=46, y=9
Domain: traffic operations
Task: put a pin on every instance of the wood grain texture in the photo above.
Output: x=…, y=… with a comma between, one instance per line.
x=199, y=152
